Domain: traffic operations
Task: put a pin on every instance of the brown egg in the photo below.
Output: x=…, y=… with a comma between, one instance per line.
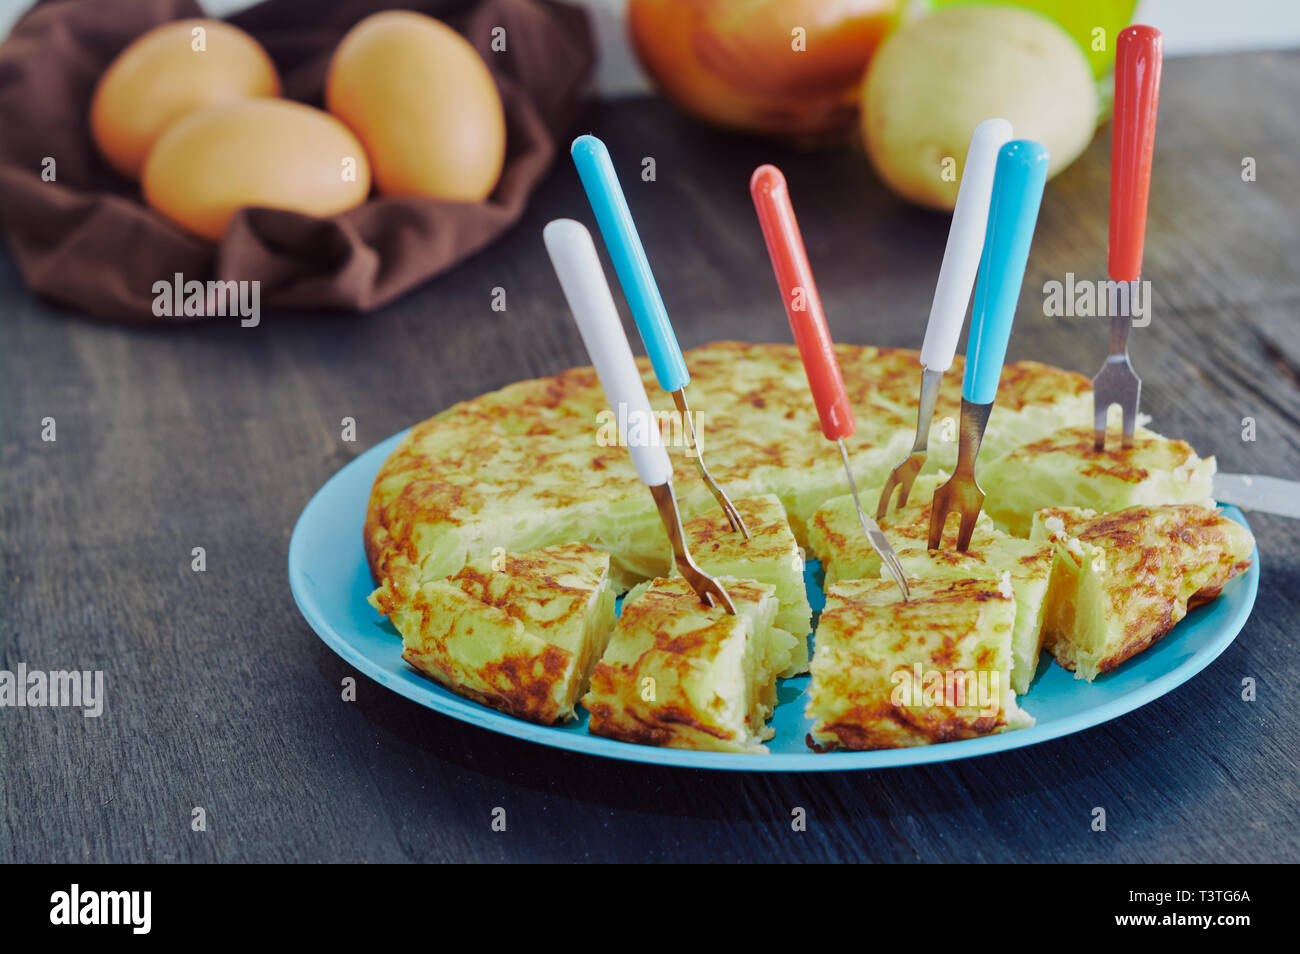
x=263, y=152
x=168, y=73
x=424, y=104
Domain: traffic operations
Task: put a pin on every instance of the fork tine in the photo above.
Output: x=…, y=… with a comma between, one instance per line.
x=882, y=507
x=1100, y=409
x=905, y=487
x=967, y=528
x=938, y=516
x=688, y=421
x=1130, y=410
x=733, y=516
x=897, y=572
x=717, y=595
x=709, y=589
x=901, y=477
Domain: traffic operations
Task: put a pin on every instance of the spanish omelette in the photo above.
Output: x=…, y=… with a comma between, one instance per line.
x=518, y=631
x=770, y=555
x=523, y=467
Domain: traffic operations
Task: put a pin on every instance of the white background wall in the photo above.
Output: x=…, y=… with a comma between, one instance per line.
x=1190, y=27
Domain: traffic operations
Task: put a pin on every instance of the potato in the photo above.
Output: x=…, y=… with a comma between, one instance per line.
x=937, y=78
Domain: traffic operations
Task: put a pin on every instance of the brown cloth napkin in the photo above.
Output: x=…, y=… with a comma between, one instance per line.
x=87, y=239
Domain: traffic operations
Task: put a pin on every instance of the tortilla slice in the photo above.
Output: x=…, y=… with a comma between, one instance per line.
x=1064, y=470
x=682, y=674
x=770, y=555
x=888, y=674
x=1120, y=581
x=837, y=538
x=521, y=635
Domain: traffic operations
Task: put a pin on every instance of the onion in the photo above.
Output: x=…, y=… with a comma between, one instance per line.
x=735, y=63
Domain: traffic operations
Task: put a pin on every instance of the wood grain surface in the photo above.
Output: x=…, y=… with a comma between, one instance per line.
x=220, y=696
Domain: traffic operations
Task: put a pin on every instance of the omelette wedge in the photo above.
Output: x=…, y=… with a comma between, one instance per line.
x=888, y=674
x=1120, y=581
x=520, y=636
x=1064, y=469
x=770, y=555
x=836, y=538
x=681, y=674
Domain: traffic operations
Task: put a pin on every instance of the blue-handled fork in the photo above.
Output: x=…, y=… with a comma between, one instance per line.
x=633, y=269
x=1013, y=211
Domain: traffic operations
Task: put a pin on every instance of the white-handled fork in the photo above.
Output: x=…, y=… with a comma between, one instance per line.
x=573, y=255
x=961, y=260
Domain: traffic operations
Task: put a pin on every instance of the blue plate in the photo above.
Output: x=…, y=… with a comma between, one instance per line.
x=330, y=581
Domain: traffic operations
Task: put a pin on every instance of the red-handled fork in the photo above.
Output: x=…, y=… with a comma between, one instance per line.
x=1139, y=51
x=804, y=308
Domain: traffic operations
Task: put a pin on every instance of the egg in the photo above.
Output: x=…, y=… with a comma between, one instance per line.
x=167, y=73
x=263, y=152
x=424, y=104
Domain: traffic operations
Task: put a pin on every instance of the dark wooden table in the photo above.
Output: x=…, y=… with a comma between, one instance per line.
x=220, y=696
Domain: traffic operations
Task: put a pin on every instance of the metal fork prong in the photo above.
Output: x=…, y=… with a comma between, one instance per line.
x=967, y=529
x=1116, y=383
x=905, y=487
x=901, y=477
x=875, y=536
x=880, y=543
x=938, y=517
x=1130, y=411
x=733, y=515
x=723, y=597
x=709, y=589
x=704, y=585
x=882, y=505
x=900, y=576
x=1100, y=412
x=688, y=423
x=904, y=475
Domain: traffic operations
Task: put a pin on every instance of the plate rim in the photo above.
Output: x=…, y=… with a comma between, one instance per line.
x=1244, y=592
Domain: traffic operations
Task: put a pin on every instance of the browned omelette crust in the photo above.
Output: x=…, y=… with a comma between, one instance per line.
x=467, y=479
x=523, y=684
x=673, y=656
x=769, y=555
x=866, y=633
x=1114, y=460
x=834, y=533
x=711, y=533
x=1161, y=561
x=549, y=593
